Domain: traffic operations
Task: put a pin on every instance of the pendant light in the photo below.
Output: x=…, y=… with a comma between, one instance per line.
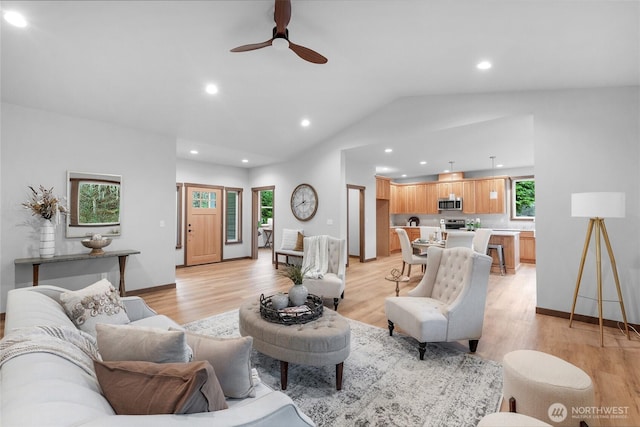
x=452, y=195
x=493, y=194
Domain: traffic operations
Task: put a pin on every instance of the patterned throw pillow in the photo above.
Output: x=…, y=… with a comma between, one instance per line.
x=97, y=303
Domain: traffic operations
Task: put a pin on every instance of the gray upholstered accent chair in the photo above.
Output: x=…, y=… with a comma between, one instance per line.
x=448, y=303
x=332, y=282
x=408, y=257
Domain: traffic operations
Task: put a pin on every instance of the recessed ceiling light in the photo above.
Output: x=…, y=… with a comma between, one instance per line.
x=305, y=123
x=245, y=160
x=499, y=166
x=211, y=89
x=423, y=162
x=15, y=19
x=483, y=65
x=388, y=150
x=384, y=169
x=194, y=151
x=404, y=175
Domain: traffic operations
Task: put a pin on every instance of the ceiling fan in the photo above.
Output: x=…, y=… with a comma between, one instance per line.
x=280, y=38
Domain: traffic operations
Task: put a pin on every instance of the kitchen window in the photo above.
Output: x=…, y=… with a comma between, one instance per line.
x=523, y=198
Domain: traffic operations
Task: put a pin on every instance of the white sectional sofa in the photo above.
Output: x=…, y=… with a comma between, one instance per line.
x=44, y=389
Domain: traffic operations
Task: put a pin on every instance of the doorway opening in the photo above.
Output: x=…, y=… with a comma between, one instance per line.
x=262, y=217
x=355, y=222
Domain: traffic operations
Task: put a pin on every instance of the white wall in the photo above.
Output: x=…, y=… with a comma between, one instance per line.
x=195, y=172
x=39, y=147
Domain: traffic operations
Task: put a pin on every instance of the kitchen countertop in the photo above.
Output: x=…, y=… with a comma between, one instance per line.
x=498, y=232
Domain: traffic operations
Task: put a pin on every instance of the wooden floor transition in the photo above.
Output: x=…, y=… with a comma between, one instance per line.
x=510, y=319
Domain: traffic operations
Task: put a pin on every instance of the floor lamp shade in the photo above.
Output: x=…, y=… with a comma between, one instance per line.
x=598, y=205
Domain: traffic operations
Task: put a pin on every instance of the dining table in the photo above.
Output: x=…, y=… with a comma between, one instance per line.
x=421, y=245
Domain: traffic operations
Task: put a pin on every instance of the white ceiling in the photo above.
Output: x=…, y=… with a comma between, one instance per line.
x=145, y=64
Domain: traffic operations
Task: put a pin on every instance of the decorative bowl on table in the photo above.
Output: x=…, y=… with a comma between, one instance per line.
x=96, y=245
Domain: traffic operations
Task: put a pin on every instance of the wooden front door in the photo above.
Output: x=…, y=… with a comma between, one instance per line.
x=203, y=225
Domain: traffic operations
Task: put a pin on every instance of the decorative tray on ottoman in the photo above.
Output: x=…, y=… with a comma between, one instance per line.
x=311, y=310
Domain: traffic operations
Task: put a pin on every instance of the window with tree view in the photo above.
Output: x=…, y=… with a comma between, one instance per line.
x=523, y=195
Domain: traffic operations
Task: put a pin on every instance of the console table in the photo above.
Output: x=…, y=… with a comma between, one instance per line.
x=122, y=261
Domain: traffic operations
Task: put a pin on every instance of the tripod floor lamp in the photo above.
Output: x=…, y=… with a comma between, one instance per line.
x=597, y=207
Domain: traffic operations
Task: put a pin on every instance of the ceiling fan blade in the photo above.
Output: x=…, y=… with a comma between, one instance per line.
x=282, y=15
x=253, y=46
x=307, y=54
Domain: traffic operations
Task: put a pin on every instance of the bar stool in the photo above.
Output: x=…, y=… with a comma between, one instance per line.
x=500, y=252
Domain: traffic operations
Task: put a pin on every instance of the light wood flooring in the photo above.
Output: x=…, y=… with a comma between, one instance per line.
x=510, y=319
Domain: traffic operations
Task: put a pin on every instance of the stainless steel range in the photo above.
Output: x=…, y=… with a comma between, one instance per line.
x=454, y=223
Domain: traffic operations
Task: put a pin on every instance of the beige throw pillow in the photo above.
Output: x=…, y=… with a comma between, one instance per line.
x=230, y=358
x=146, y=388
x=97, y=303
x=139, y=343
x=299, y=243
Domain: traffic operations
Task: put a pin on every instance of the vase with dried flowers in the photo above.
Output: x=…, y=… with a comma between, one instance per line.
x=43, y=203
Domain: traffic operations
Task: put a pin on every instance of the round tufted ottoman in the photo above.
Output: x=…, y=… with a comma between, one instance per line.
x=510, y=419
x=546, y=387
x=324, y=341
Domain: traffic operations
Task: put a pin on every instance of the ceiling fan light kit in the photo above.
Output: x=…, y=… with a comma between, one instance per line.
x=280, y=37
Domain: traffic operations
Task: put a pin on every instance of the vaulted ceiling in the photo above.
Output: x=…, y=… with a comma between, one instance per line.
x=145, y=64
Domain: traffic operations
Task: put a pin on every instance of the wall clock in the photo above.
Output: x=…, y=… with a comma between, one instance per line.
x=304, y=202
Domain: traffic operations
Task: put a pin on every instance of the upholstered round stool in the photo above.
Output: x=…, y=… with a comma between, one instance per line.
x=547, y=388
x=324, y=341
x=510, y=419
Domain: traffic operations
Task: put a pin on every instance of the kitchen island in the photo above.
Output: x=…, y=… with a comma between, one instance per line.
x=509, y=239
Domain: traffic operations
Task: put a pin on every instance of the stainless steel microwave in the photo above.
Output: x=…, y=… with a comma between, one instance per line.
x=450, y=205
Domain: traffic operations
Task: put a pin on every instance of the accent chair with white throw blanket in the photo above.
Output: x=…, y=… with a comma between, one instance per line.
x=324, y=262
x=448, y=303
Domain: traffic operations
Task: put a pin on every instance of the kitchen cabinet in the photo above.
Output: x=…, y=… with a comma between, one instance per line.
x=445, y=188
x=468, y=197
x=383, y=188
x=409, y=199
x=426, y=199
x=527, y=247
x=394, y=241
x=396, y=193
x=483, y=203
x=510, y=242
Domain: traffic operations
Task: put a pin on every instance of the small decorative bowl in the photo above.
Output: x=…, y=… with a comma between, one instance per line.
x=96, y=245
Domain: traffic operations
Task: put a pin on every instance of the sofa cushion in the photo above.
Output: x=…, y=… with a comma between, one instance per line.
x=139, y=343
x=97, y=303
x=146, y=388
x=230, y=358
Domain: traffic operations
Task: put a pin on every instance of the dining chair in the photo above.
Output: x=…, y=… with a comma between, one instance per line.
x=481, y=240
x=408, y=257
x=459, y=239
x=427, y=231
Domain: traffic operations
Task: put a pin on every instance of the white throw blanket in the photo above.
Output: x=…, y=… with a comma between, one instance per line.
x=71, y=344
x=315, y=259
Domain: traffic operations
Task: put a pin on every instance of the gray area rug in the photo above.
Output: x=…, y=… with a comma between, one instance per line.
x=384, y=384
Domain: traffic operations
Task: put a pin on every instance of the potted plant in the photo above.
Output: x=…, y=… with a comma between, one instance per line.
x=298, y=292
